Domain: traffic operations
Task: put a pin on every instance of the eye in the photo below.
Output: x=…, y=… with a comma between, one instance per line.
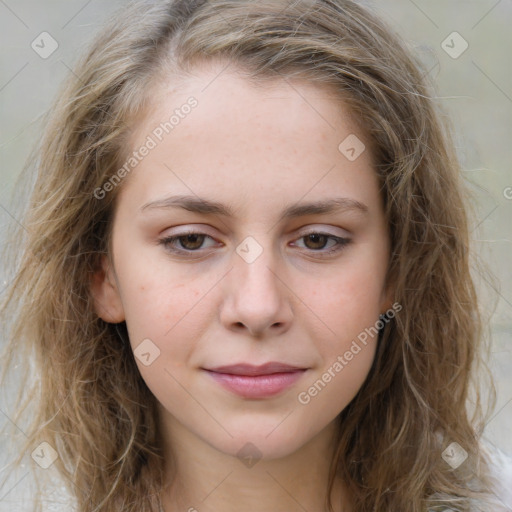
x=189, y=242
x=317, y=241
x=192, y=241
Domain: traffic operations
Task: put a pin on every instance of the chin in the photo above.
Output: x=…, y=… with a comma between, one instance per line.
x=265, y=442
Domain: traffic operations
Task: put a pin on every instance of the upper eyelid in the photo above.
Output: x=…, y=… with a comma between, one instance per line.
x=299, y=236
x=300, y=232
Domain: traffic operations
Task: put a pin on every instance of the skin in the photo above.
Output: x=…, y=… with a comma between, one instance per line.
x=257, y=150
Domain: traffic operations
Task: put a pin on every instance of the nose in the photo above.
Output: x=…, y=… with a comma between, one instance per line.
x=257, y=300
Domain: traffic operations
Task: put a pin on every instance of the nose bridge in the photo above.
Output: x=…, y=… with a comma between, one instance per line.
x=256, y=297
x=255, y=264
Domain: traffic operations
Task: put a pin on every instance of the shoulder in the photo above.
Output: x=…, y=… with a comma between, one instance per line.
x=497, y=498
x=57, y=498
x=501, y=472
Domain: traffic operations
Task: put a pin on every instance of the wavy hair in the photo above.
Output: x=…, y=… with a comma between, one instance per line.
x=90, y=401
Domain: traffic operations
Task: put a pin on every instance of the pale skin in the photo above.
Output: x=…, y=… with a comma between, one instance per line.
x=256, y=150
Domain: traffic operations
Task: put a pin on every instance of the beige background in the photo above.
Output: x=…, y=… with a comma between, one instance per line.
x=475, y=88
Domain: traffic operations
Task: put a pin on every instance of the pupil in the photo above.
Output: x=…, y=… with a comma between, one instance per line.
x=192, y=238
x=315, y=237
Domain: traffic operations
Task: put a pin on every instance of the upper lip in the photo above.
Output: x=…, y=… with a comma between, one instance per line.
x=249, y=369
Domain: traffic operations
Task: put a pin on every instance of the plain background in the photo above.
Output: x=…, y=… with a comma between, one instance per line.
x=475, y=89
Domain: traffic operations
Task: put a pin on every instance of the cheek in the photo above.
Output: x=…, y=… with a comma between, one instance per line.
x=349, y=307
x=172, y=319
x=155, y=296
x=348, y=300
x=163, y=309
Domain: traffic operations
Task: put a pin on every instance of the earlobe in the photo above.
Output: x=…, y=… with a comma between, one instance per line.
x=106, y=297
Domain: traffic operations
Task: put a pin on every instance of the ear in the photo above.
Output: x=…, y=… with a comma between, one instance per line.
x=387, y=298
x=105, y=293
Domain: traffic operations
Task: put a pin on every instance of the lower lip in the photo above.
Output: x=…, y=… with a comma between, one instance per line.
x=257, y=386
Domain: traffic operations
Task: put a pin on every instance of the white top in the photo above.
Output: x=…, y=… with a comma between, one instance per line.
x=503, y=476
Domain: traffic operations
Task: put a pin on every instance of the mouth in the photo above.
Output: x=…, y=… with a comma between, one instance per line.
x=249, y=381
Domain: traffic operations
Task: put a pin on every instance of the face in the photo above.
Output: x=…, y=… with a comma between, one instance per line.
x=277, y=255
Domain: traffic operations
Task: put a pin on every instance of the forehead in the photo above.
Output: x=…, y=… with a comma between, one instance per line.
x=274, y=135
x=232, y=92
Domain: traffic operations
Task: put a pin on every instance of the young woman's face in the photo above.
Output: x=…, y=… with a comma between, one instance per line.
x=268, y=276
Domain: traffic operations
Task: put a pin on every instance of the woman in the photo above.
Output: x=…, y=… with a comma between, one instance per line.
x=261, y=371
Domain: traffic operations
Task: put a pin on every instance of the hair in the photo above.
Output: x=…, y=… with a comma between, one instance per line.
x=92, y=405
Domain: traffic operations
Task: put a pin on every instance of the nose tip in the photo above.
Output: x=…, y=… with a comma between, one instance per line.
x=256, y=298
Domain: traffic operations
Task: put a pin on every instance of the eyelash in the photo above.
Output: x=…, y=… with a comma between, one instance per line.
x=341, y=243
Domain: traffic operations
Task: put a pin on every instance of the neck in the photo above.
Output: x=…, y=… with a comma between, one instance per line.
x=204, y=479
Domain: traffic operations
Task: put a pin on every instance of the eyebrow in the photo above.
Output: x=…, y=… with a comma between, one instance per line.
x=199, y=205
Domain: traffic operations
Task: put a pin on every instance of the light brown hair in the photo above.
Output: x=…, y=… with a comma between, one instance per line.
x=91, y=402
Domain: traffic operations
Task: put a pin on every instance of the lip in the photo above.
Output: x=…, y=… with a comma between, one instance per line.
x=251, y=370
x=249, y=381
